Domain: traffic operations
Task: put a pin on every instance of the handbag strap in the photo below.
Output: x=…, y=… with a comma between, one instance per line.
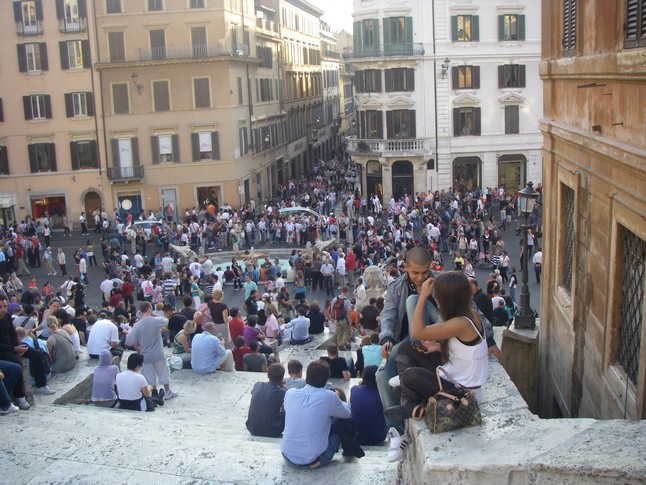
x=439, y=379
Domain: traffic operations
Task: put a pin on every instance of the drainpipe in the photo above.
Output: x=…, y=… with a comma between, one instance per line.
x=437, y=158
x=105, y=135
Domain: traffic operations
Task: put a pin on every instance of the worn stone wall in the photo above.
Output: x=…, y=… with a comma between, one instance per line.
x=594, y=144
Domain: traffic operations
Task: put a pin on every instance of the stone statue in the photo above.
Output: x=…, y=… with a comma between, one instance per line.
x=373, y=280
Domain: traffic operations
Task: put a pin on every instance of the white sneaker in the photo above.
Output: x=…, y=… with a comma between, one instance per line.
x=22, y=403
x=45, y=391
x=170, y=395
x=397, y=445
x=10, y=409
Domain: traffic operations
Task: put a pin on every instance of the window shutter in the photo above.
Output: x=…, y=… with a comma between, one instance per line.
x=501, y=77
x=386, y=23
x=356, y=31
x=65, y=61
x=501, y=27
x=408, y=29
x=476, y=121
x=475, y=76
x=26, y=103
x=89, y=102
x=380, y=125
x=44, y=64
x=521, y=27
x=390, y=127
x=154, y=144
x=521, y=76
x=389, y=80
x=215, y=145
x=475, y=28
x=51, y=153
x=39, y=9
x=195, y=143
x=377, y=74
x=4, y=161
x=454, y=28
x=48, y=107
x=82, y=9
x=17, y=12
x=455, y=77
x=135, y=150
x=456, y=121
x=22, y=58
x=85, y=50
x=569, y=27
x=76, y=163
x=116, y=161
x=410, y=79
x=362, y=125
x=176, y=157
x=412, y=128
x=33, y=158
x=360, y=81
x=60, y=10
x=69, y=105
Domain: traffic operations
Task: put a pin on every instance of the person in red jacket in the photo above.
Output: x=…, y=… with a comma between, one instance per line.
x=350, y=266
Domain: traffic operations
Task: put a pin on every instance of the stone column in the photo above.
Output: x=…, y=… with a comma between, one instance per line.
x=520, y=360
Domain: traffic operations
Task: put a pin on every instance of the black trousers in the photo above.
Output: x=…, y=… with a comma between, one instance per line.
x=36, y=368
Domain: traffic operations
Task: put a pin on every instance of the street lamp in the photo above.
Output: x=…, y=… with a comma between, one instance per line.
x=525, y=317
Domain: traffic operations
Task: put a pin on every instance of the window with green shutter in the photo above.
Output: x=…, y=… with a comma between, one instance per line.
x=511, y=27
x=465, y=28
x=398, y=35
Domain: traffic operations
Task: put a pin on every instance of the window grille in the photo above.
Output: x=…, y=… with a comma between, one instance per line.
x=568, y=236
x=631, y=309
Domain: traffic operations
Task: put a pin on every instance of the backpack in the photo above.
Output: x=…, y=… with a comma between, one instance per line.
x=338, y=309
x=43, y=355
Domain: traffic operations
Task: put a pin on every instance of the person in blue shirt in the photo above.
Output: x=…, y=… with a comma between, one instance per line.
x=208, y=352
x=307, y=440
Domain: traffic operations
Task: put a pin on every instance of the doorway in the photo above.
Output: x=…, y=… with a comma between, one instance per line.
x=402, y=178
x=92, y=202
x=169, y=204
x=374, y=181
x=511, y=172
x=129, y=203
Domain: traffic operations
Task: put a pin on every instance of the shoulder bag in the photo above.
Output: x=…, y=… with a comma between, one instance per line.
x=452, y=409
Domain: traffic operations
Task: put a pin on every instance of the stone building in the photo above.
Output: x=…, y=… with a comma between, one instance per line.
x=148, y=104
x=448, y=94
x=50, y=160
x=592, y=355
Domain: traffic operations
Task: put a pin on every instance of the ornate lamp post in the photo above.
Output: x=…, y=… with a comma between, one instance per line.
x=525, y=317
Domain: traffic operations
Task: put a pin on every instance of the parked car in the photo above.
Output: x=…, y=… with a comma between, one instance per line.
x=298, y=211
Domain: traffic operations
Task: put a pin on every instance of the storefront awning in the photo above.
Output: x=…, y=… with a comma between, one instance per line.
x=6, y=202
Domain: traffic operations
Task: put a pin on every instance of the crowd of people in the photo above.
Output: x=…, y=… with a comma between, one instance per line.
x=400, y=338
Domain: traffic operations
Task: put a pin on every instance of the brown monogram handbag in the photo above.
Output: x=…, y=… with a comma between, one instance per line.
x=448, y=410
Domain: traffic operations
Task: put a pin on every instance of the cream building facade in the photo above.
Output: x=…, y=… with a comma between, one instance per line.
x=138, y=105
x=448, y=95
x=50, y=160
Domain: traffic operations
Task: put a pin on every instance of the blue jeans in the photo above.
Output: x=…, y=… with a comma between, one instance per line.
x=386, y=393
x=333, y=443
x=12, y=372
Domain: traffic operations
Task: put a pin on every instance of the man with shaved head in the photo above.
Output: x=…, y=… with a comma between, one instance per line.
x=395, y=321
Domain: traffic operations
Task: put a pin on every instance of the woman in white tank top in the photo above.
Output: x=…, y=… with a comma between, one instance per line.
x=461, y=339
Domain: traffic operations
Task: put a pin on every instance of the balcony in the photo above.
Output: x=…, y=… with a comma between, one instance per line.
x=126, y=174
x=267, y=26
x=196, y=51
x=312, y=136
x=331, y=54
x=386, y=50
x=32, y=28
x=397, y=147
x=71, y=25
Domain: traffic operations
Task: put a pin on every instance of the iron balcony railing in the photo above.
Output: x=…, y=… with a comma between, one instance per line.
x=126, y=174
x=191, y=51
x=384, y=50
